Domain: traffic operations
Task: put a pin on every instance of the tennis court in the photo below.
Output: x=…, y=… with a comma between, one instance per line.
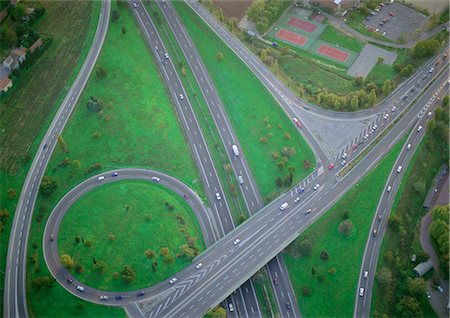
x=333, y=53
x=302, y=25
x=292, y=37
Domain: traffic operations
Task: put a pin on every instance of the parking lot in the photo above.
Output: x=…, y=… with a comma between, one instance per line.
x=395, y=21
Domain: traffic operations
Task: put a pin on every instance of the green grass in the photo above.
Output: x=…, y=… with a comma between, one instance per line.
x=345, y=254
x=25, y=108
x=334, y=36
x=264, y=293
x=444, y=16
x=20, y=99
x=216, y=148
x=150, y=225
x=137, y=127
x=248, y=103
x=301, y=69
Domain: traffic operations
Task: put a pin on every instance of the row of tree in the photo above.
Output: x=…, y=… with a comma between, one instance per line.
x=265, y=12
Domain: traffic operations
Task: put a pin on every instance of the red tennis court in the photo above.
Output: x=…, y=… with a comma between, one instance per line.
x=302, y=25
x=292, y=37
x=333, y=53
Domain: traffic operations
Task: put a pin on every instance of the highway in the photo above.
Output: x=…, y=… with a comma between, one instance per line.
x=14, y=298
x=373, y=245
x=226, y=265
x=50, y=247
x=254, y=202
x=268, y=232
x=196, y=140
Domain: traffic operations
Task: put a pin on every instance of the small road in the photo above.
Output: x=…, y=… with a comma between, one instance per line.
x=14, y=298
x=374, y=241
x=51, y=231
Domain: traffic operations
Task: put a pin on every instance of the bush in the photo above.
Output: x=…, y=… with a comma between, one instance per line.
x=324, y=255
x=346, y=227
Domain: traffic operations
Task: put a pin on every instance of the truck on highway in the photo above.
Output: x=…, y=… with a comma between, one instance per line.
x=235, y=150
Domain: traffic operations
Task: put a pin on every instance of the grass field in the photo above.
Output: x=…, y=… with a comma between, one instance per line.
x=150, y=226
x=19, y=98
x=137, y=127
x=253, y=112
x=334, y=36
x=345, y=253
x=25, y=108
x=216, y=148
x=301, y=68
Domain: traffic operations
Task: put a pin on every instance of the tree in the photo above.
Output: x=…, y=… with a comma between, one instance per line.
x=168, y=258
x=279, y=181
x=67, y=261
x=124, y=30
x=263, y=140
x=426, y=48
x=346, y=227
x=150, y=253
x=44, y=281
x=354, y=103
x=164, y=251
x=409, y=307
x=305, y=247
x=419, y=186
x=94, y=104
x=128, y=274
x=219, y=56
x=12, y=193
x=380, y=60
x=261, y=27
x=384, y=276
x=387, y=87
x=48, y=186
x=218, y=312
x=359, y=81
x=324, y=255
x=306, y=290
x=101, y=72
x=372, y=97
x=415, y=286
x=115, y=15
x=100, y=266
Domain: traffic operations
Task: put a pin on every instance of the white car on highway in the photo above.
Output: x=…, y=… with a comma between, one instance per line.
x=419, y=129
x=361, y=292
x=173, y=280
x=181, y=96
x=236, y=241
x=218, y=197
x=199, y=265
x=101, y=178
x=156, y=179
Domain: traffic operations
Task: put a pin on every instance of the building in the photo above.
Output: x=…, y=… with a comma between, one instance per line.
x=8, y=63
x=35, y=45
x=423, y=268
x=5, y=84
x=19, y=54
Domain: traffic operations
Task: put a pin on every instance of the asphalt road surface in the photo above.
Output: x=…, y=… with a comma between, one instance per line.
x=14, y=297
x=50, y=238
x=374, y=241
x=252, y=198
x=266, y=233
x=195, y=139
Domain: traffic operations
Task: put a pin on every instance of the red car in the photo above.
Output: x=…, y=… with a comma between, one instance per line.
x=331, y=166
x=297, y=122
x=354, y=146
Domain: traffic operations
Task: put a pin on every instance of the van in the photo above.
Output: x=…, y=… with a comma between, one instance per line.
x=235, y=150
x=284, y=206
